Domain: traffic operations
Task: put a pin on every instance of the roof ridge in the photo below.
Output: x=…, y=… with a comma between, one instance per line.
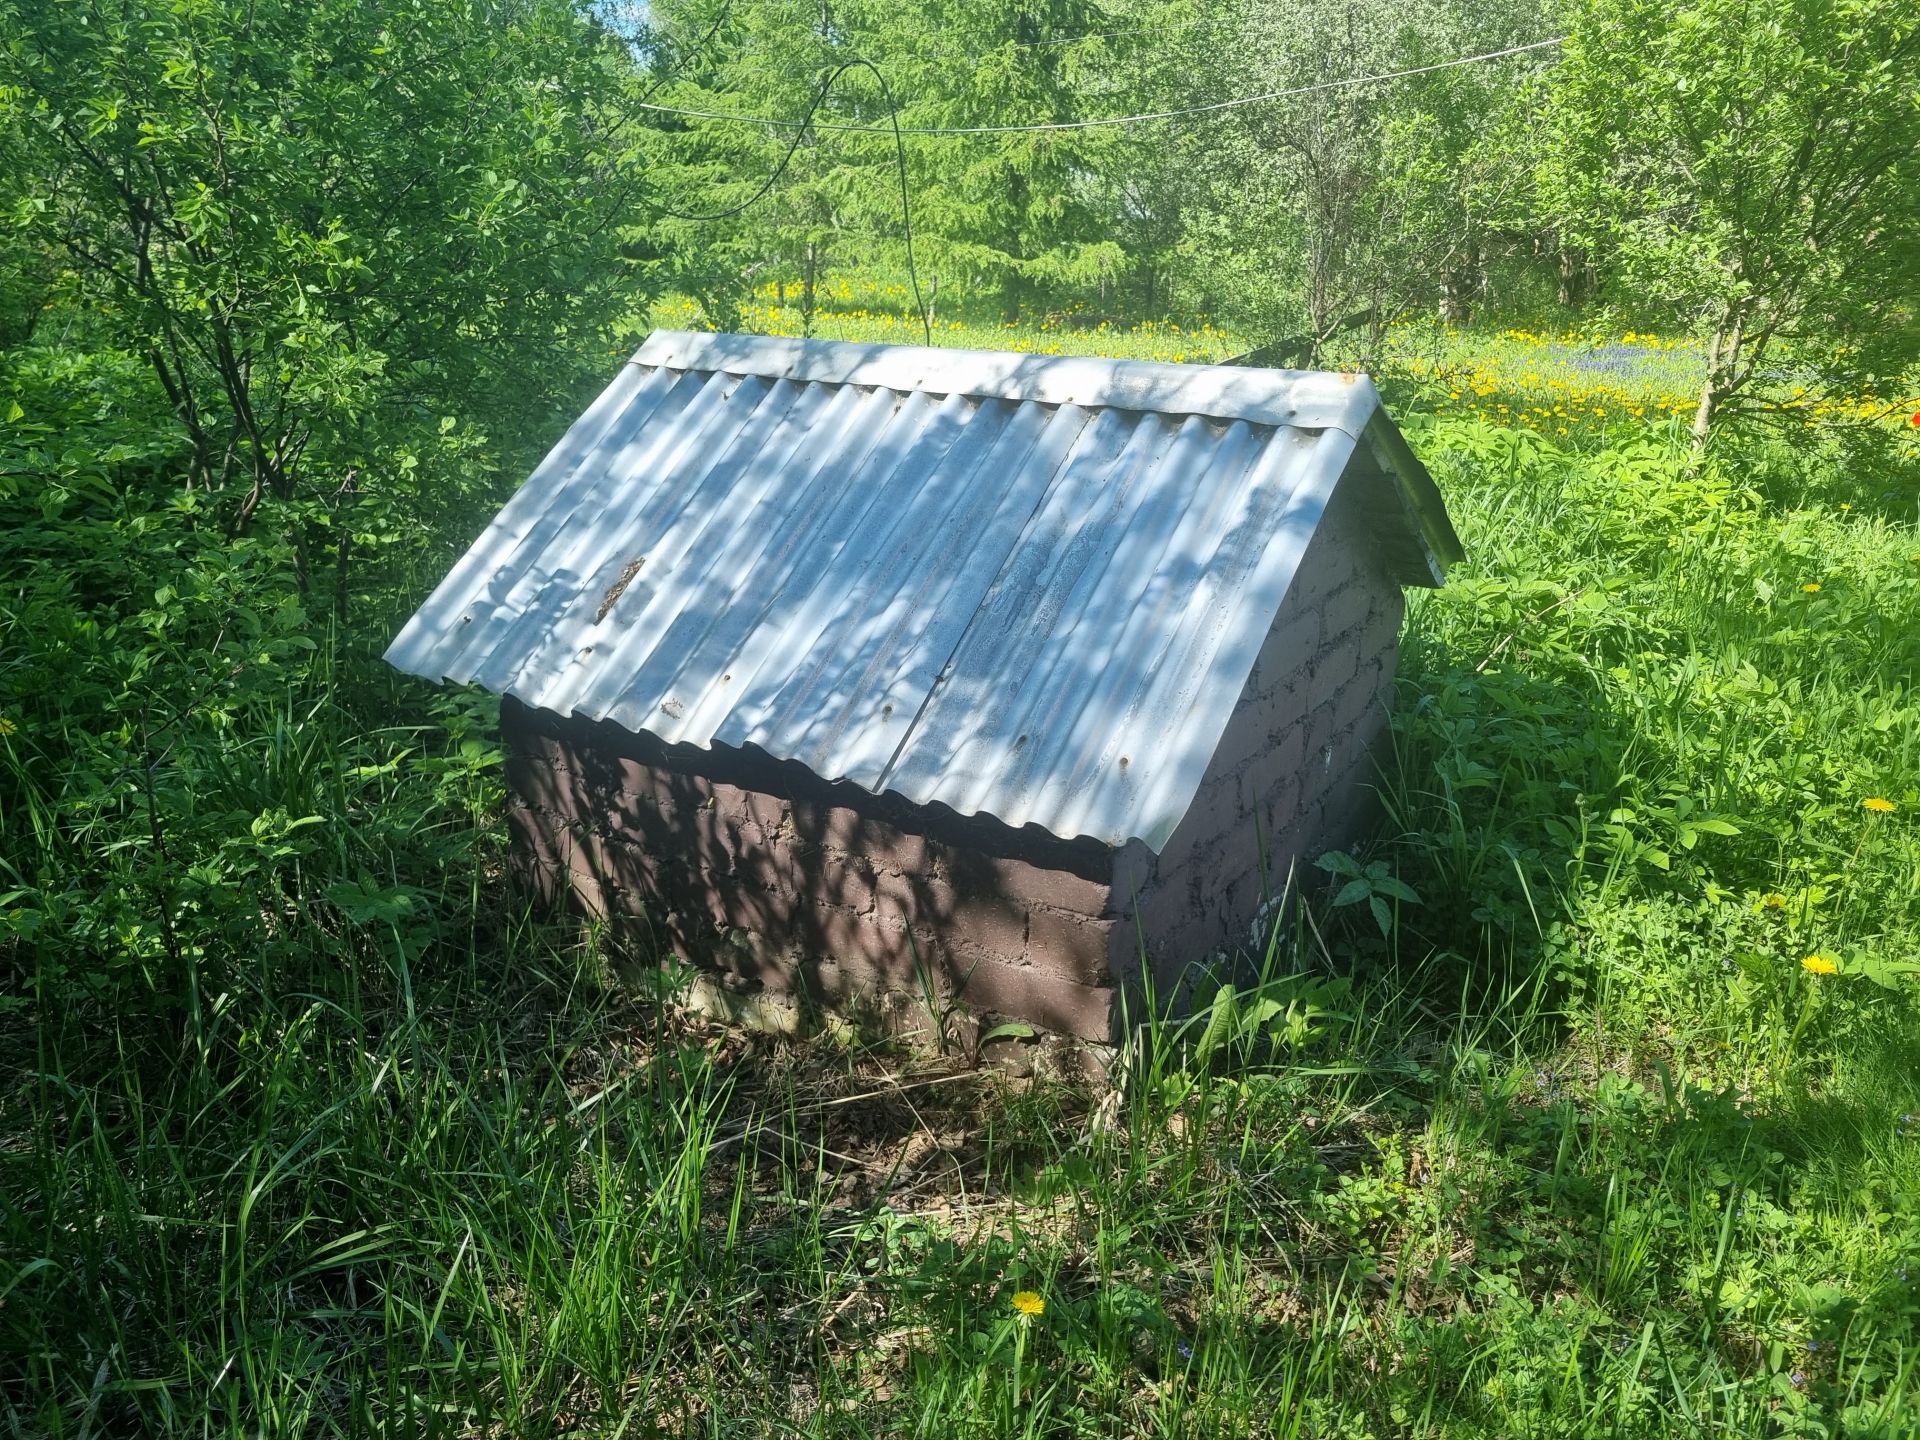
x=1304, y=399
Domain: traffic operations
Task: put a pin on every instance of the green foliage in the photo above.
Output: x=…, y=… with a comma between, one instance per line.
x=1586, y=1102
x=1321, y=216
x=1656, y=705
x=1578, y=1146
x=1750, y=164
x=1015, y=213
x=339, y=235
x=1371, y=884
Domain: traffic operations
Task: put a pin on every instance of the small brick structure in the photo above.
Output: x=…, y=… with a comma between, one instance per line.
x=760, y=870
x=853, y=670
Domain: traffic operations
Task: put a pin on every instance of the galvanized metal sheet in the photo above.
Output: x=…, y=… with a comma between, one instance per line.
x=1311, y=399
x=960, y=590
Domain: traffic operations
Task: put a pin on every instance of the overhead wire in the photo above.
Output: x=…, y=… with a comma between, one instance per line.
x=927, y=46
x=1170, y=25
x=1185, y=112
x=899, y=132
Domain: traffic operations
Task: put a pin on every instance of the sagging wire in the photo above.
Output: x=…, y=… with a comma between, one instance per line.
x=1187, y=112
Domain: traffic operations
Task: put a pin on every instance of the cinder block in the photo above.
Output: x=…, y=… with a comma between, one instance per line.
x=538, y=781
x=767, y=814
x=1076, y=946
x=834, y=826
x=1333, y=671
x=1247, y=736
x=1279, y=765
x=650, y=823
x=651, y=784
x=1028, y=884
x=979, y=915
x=736, y=904
x=533, y=746
x=1292, y=641
x=1045, y=999
x=900, y=851
x=810, y=873
x=854, y=938
x=1346, y=613
x=1279, y=811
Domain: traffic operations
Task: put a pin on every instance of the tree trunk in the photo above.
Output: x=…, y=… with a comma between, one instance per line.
x=343, y=546
x=807, y=274
x=1458, y=284
x=1573, y=278
x=1723, y=356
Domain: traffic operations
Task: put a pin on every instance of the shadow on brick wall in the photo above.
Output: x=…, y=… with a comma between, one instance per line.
x=759, y=871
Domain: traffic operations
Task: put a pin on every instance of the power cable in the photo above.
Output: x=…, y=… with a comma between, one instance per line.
x=1186, y=112
x=919, y=48
x=799, y=134
x=1175, y=25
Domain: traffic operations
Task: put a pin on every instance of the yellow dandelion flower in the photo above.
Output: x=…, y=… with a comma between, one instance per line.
x=1819, y=965
x=7, y=727
x=1773, y=900
x=1029, y=1302
x=1878, y=804
x=1812, y=587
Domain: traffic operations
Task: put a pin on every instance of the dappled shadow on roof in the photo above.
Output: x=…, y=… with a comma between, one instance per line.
x=1038, y=611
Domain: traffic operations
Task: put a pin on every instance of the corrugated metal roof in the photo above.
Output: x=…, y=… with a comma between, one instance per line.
x=1026, y=586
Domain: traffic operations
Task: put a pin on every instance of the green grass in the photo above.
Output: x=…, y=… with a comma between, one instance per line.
x=350, y=1143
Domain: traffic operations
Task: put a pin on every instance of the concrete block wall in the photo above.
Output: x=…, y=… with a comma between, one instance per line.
x=761, y=870
x=1292, y=773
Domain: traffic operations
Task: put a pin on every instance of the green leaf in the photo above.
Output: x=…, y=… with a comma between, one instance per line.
x=1398, y=889
x=1353, y=892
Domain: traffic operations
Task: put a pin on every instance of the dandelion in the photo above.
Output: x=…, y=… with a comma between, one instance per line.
x=7, y=727
x=1819, y=965
x=1029, y=1302
x=1773, y=900
x=1812, y=587
x=1878, y=804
